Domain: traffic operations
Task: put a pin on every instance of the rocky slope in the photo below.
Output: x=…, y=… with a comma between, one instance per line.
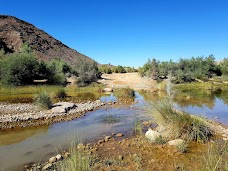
x=14, y=32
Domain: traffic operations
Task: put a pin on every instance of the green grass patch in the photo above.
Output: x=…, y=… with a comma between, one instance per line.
x=179, y=124
x=33, y=89
x=78, y=161
x=216, y=157
x=160, y=140
x=61, y=93
x=138, y=127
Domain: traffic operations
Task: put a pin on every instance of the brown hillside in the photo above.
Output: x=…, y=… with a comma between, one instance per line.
x=14, y=32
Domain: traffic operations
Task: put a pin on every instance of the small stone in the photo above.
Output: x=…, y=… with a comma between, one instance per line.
x=100, y=142
x=146, y=123
x=66, y=155
x=113, y=148
x=107, y=138
x=152, y=135
x=120, y=157
x=135, y=155
x=119, y=135
x=107, y=89
x=225, y=139
x=52, y=159
x=80, y=146
x=47, y=166
x=176, y=142
x=59, y=157
x=188, y=97
x=26, y=166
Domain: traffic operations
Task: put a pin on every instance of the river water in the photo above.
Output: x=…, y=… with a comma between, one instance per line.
x=21, y=147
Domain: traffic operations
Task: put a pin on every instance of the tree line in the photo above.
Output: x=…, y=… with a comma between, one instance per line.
x=116, y=69
x=23, y=68
x=185, y=70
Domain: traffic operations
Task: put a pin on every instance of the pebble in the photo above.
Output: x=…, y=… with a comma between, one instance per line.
x=119, y=135
x=107, y=138
x=47, y=166
x=120, y=157
x=52, y=159
x=80, y=146
x=59, y=157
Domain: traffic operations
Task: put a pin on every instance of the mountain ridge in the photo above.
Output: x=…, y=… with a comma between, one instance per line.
x=15, y=32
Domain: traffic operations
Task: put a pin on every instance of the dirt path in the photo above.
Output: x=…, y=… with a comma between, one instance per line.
x=132, y=80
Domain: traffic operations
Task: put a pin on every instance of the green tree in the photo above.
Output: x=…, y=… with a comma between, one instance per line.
x=19, y=69
x=56, y=70
x=224, y=66
x=88, y=73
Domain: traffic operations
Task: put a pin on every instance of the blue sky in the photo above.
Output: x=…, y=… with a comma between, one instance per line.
x=128, y=32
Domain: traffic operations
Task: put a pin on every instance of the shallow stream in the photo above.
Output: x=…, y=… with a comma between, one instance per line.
x=21, y=147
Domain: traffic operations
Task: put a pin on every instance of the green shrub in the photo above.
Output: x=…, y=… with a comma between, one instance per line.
x=78, y=161
x=182, y=147
x=88, y=73
x=216, y=157
x=119, y=69
x=182, y=124
x=160, y=140
x=19, y=69
x=43, y=100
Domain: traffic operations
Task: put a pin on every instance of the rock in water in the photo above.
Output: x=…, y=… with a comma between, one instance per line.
x=107, y=89
x=152, y=135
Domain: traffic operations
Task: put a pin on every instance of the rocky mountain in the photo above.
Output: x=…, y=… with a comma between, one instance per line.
x=15, y=32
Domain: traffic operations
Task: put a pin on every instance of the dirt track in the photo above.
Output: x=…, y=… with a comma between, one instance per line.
x=132, y=80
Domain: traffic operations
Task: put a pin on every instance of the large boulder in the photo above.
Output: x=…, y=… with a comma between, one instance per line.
x=152, y=135
x=62, y=107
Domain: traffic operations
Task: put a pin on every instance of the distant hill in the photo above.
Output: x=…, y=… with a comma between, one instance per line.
x=15, y=32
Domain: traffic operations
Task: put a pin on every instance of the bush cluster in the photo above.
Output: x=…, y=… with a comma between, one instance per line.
x=23, y=68
x=116, y=69
x=88, y=73
x=185, y=70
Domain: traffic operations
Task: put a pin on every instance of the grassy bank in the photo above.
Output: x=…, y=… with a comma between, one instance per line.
x=72, y=92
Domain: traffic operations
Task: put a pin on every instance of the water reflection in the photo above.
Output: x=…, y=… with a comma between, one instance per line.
x=12, y=137
x=213, y=105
